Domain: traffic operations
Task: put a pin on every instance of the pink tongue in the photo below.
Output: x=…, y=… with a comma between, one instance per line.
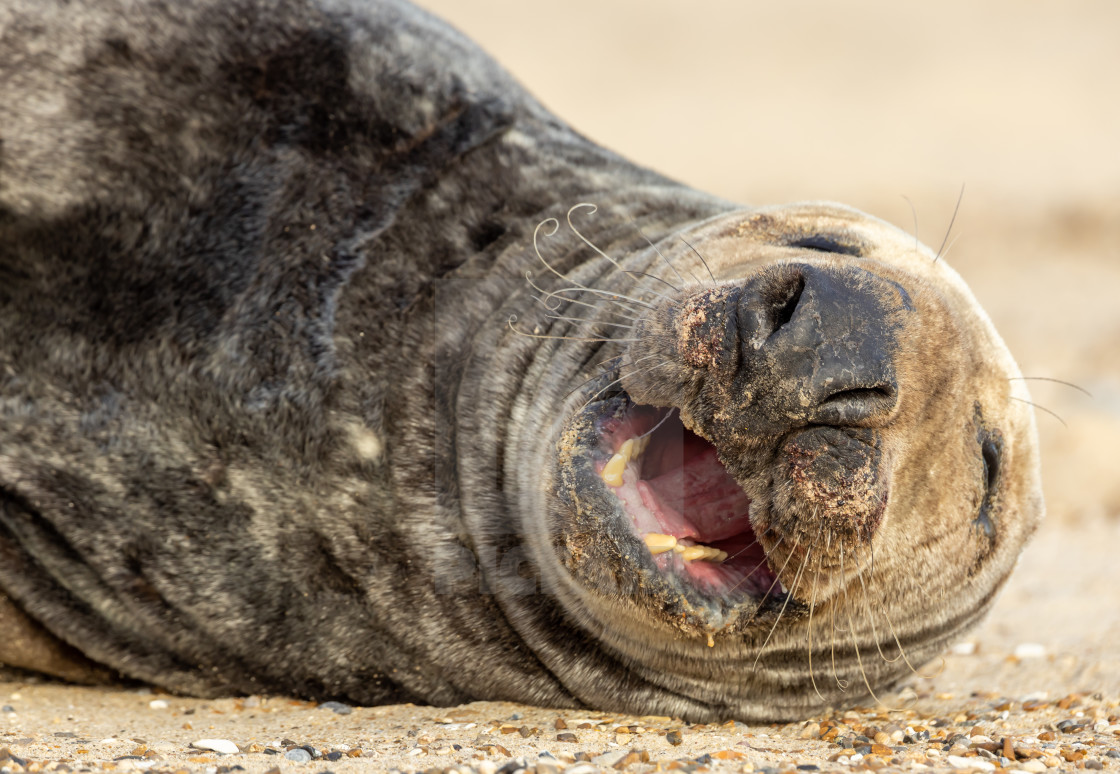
x=698, y=500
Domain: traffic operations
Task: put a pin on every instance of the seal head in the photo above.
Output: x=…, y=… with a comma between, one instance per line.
x=808, y=467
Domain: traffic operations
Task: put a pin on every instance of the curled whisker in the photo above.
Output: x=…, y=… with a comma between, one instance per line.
x=593, y=209
x=555, y=224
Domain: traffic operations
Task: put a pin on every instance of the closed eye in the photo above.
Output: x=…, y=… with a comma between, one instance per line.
x=826, y=244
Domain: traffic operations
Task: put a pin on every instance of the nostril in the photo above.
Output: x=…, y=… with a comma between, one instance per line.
x=784, y=306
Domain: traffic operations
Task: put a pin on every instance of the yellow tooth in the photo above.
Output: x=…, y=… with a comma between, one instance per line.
x=659, y=544
x=694, y=552
x=612, y=471
x=679, y=548
x=627, y=449
x=719, y=557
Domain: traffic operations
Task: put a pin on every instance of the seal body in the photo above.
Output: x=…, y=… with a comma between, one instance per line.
x=317, y=377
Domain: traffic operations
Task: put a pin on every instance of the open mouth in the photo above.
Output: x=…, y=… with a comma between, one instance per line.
x=682, y=504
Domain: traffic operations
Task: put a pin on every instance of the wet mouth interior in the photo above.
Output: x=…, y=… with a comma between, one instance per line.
x=691, y=514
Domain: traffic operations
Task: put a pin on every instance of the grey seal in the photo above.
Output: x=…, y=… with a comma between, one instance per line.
x=333, y=365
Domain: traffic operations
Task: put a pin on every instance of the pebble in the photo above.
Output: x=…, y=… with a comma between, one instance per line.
x=158, y=704
x=337, y=707
x=674, y=737
x=1029, y=650
x=547, y=766
x=298, y=754
x=957, y=762
x=581, y=768
x=609, y=759
x=963, y=649
x=223, y=746
x=1034, y=765
x=811, y=731
x=487, y=767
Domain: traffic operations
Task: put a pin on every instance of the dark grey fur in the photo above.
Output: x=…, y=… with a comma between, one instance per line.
x=232, y=234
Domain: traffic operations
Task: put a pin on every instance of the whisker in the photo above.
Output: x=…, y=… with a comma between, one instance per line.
x=774, y=583
x=618, y=381
x=867, y=604
x=513, y=318
x=536, y=249
x=545, y=304
x=894, y=635
x=1041, y=408
x=664, y=419
x=1055, y=381
x=952, y=244
x=855, y=641
x=812, y=605
x=589, y=243
x=789, y=596
x=663, y=258
x=952, y=220
x=757, y=567
x=647, y=275
x=914, y=215
x=841, y=684
x=586, y=321
x=561, y=299
x=693, y=249
x=605, y=294
x=586, y=382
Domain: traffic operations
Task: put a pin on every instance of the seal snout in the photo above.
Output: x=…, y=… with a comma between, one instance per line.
x=817, y=347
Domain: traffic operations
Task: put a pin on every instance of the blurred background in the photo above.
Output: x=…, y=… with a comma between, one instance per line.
x=867, y=102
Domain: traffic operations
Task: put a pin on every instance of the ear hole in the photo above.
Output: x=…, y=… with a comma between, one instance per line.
x=991, y=453
x=991, y=450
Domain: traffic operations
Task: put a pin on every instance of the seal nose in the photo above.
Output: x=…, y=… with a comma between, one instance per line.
x=817, y=346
